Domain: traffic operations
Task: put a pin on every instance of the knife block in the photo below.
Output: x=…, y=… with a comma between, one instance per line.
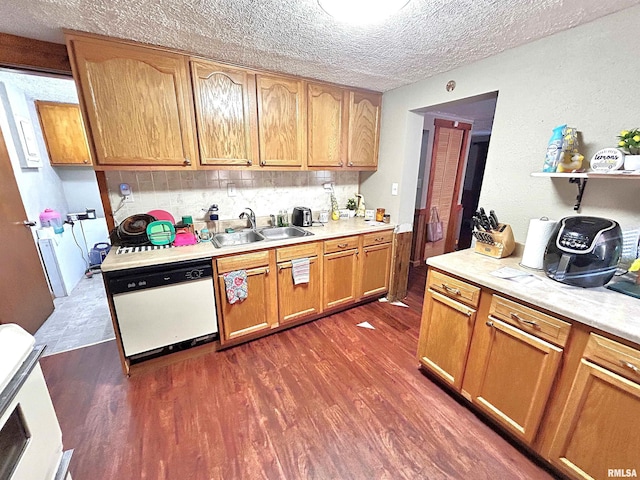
x=502, y=244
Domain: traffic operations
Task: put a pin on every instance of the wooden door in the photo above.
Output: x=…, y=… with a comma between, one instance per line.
x=138, y=104
x=374, y=271
x=340, y=270
x=327, y=126
x=445, y=334
x=518, y=372
x=226, y=118
x=281, y=121
x=598, y=431
x=26, y=299
x=63, y=133
x=445, y=179
x=253, y=313
x=364, y=130
x=302, y=300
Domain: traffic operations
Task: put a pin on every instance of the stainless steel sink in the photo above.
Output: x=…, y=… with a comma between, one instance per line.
x=282, y=233
x=237, y=238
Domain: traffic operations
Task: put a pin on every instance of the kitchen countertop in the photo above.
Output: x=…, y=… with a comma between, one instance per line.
x=599, y=307
x=333, y=229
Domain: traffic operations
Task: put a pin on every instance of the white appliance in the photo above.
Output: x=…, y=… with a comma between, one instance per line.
x=30, y=436
x=164, y=306
x=66, y=255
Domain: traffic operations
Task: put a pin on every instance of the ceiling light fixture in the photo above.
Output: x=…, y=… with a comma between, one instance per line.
x=362, y=12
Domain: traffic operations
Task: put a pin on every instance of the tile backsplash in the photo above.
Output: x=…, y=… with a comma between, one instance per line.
x=189, y=192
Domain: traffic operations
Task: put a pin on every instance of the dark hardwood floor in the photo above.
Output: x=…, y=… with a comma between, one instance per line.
x=326, y=400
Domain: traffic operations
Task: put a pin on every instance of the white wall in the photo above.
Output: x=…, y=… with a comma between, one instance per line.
x=586, y=76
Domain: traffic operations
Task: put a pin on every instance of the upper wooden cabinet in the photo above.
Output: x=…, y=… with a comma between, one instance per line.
x=364, y=130
x=63, y=133
x=137, y=101
x=327, y=125
x=281, y=121
x=225, y=107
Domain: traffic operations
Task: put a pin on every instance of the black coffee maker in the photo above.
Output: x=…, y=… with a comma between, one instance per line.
x=583, y=251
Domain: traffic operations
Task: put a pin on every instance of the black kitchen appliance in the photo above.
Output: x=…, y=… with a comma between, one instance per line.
x=301, y=217
x=132, y=231
x=583, y=251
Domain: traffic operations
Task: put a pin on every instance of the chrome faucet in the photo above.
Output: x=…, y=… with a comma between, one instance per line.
x=250, y=216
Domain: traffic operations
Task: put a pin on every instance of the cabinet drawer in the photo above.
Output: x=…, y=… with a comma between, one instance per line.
x=243, y=261
x=377, y=238
x=614, y=356
x=454, y=288
x=537, y=323
x=284, y=254
x=340, y=244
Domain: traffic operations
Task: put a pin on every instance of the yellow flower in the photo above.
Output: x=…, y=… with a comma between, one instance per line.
x=636, y=138
x=621, y=143
x=624, y=133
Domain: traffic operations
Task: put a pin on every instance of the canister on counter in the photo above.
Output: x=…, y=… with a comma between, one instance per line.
x=379, y=214
x=386, y=218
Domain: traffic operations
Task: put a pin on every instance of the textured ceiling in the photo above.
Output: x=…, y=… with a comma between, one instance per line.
x=296, y=36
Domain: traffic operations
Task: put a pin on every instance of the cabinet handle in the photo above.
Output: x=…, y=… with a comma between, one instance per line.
x=341, y=164
x=351, y=164
x=86, y=161
x=249, y=162
x=263, y=163
x=379, y=239
x=516, y=317
x=449, y=289
x=630, y=366
x=366, y=252
x=342, y=245
x=187, y=162
x=489, y=323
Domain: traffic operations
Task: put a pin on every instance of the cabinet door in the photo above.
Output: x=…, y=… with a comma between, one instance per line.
x=599, y=427
x=364, y=130
x=63, y=133
x=327, y=126
x=445, y=334
x=138, y=103
x=281, y=121
x=374, y=271
x=302, y=300
x=339, y=286
x=254, y=313
x=225, y=114
x=519, y=370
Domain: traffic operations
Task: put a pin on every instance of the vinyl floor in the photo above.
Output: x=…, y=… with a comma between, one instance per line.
x=325, y=400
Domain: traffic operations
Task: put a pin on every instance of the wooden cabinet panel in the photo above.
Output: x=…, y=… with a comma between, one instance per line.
x=281, y=121
x=377, y=238
x=340, y=271
x=374, y=269
x=63, y=133
x=226, y=119
x=454, y=288
x=327, y=125
x=614, y=356
x=138, y=102
x=364, y=129
x=259, y=310
x=445, y=334
x=341, y=244
x=299, y=251
x=518, y=372
x=537, y=323
x=302, y=300
x=599, y=427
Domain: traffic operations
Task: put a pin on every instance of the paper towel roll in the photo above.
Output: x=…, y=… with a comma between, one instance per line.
x=538, y=235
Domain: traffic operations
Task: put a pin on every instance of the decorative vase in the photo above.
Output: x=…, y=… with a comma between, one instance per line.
x=632, y=162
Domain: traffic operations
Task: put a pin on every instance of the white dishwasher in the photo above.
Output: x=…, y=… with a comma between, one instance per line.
x=164, y=307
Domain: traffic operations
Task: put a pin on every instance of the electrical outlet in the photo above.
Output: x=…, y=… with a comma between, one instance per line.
x=128, y=198
x=231, y=189
x=394, y=189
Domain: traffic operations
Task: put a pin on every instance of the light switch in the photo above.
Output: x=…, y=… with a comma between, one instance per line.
x=231, y=189
x=394, y=189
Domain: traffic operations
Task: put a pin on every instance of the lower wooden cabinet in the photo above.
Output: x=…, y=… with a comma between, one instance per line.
x=340, y=265
x=259, y=310
x=598, y=431
x=305, y=299
x=445, y=335
x=375, y=263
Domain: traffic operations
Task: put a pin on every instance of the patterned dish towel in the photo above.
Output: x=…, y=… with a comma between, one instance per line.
x=236, y=285
x=300, y=270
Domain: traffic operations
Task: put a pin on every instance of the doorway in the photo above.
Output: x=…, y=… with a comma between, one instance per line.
x=81, y=313
x=452, y=166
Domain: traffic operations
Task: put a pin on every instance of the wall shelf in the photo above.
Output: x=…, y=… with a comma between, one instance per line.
x=580, y=179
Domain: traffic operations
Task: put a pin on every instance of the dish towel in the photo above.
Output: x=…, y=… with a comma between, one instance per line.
x=300, y=270
x=236, y=285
